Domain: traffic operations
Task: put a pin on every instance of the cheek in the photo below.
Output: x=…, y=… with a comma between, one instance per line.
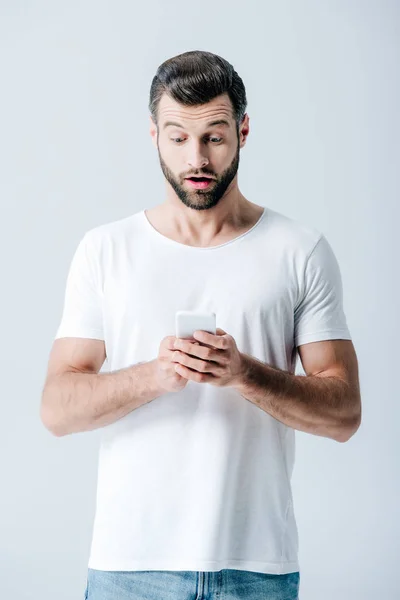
x=170, y=160
x=223, y=156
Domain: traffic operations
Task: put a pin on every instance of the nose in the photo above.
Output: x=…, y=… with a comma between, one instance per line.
x=197, y=158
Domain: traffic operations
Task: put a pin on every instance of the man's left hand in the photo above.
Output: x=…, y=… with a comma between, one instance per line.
x=214, y=359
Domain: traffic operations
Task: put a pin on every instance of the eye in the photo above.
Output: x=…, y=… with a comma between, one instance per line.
x=215, y=140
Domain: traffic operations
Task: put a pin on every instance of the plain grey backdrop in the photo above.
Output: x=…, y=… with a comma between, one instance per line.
x=322, y=80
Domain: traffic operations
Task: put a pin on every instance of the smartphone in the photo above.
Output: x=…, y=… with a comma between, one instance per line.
x=189, y=321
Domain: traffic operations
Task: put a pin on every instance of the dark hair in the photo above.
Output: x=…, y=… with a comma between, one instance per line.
x=196, y=77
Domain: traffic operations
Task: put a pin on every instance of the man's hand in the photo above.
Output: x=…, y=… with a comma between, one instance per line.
x=215, y=359
x=166, y=377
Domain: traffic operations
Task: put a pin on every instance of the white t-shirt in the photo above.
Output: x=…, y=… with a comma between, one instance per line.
x=200, y=479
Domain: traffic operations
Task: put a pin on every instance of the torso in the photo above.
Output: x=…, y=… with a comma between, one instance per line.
x=156, y=217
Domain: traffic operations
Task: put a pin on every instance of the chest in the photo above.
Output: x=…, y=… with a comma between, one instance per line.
x=149, y=289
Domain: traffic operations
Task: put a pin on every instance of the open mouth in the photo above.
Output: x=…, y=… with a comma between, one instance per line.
x=199, y=182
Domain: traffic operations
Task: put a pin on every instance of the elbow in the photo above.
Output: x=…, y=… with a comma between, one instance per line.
x=346, y=432
x=350, y=424
x=51, y=425
x=49, y=420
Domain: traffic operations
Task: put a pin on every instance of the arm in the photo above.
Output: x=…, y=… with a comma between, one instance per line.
x=86, y=401
x=77, y=398
x=325, y=402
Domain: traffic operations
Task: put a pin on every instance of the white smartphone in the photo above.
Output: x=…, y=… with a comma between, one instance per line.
x=189, y=321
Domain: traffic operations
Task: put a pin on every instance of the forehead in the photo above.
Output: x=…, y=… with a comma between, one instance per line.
x=195, y=116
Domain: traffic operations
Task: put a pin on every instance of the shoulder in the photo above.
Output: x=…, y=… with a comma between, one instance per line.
x=293, y=235
x=113, y=232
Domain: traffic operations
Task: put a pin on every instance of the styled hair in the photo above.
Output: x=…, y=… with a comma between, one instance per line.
x=196, y=77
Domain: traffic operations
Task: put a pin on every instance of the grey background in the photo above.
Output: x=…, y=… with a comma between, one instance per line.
x=322, y=81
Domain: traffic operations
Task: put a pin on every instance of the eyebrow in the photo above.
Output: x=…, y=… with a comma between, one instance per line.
x=209, y=124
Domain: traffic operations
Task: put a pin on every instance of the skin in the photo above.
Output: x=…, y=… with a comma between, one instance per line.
x=201, y=217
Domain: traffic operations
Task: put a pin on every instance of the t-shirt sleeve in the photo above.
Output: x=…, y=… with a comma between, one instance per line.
x=82, y=314
x=320, y=315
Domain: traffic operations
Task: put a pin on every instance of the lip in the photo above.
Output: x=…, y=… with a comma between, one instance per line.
x=199, y=185
x=208, y=176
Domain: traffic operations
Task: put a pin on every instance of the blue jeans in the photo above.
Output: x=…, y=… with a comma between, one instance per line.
x=226, y=584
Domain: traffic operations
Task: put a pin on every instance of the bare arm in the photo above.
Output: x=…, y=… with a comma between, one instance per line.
x=77, y=398
x=325, y=402
x=86, y=401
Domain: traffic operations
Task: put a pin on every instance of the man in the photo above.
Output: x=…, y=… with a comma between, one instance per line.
x=198, y=436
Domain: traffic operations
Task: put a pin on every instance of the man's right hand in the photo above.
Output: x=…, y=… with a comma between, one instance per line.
x=166, y=376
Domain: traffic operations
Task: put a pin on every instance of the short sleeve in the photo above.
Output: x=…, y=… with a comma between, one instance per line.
x=82, y=314
x=319, y=315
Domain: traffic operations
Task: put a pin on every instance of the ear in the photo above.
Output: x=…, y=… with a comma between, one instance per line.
x=244, y=130
x=153, y=131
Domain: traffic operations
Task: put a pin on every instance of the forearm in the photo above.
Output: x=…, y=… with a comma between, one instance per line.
x=314, y=404
x=73, y=402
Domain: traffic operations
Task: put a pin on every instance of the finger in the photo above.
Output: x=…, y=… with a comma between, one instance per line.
x=192, y=375
x=207, y=353
x=216, y=341
x=170, y=340
x=201, y=366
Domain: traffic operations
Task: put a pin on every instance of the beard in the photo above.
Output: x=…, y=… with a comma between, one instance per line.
x=199, y=199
